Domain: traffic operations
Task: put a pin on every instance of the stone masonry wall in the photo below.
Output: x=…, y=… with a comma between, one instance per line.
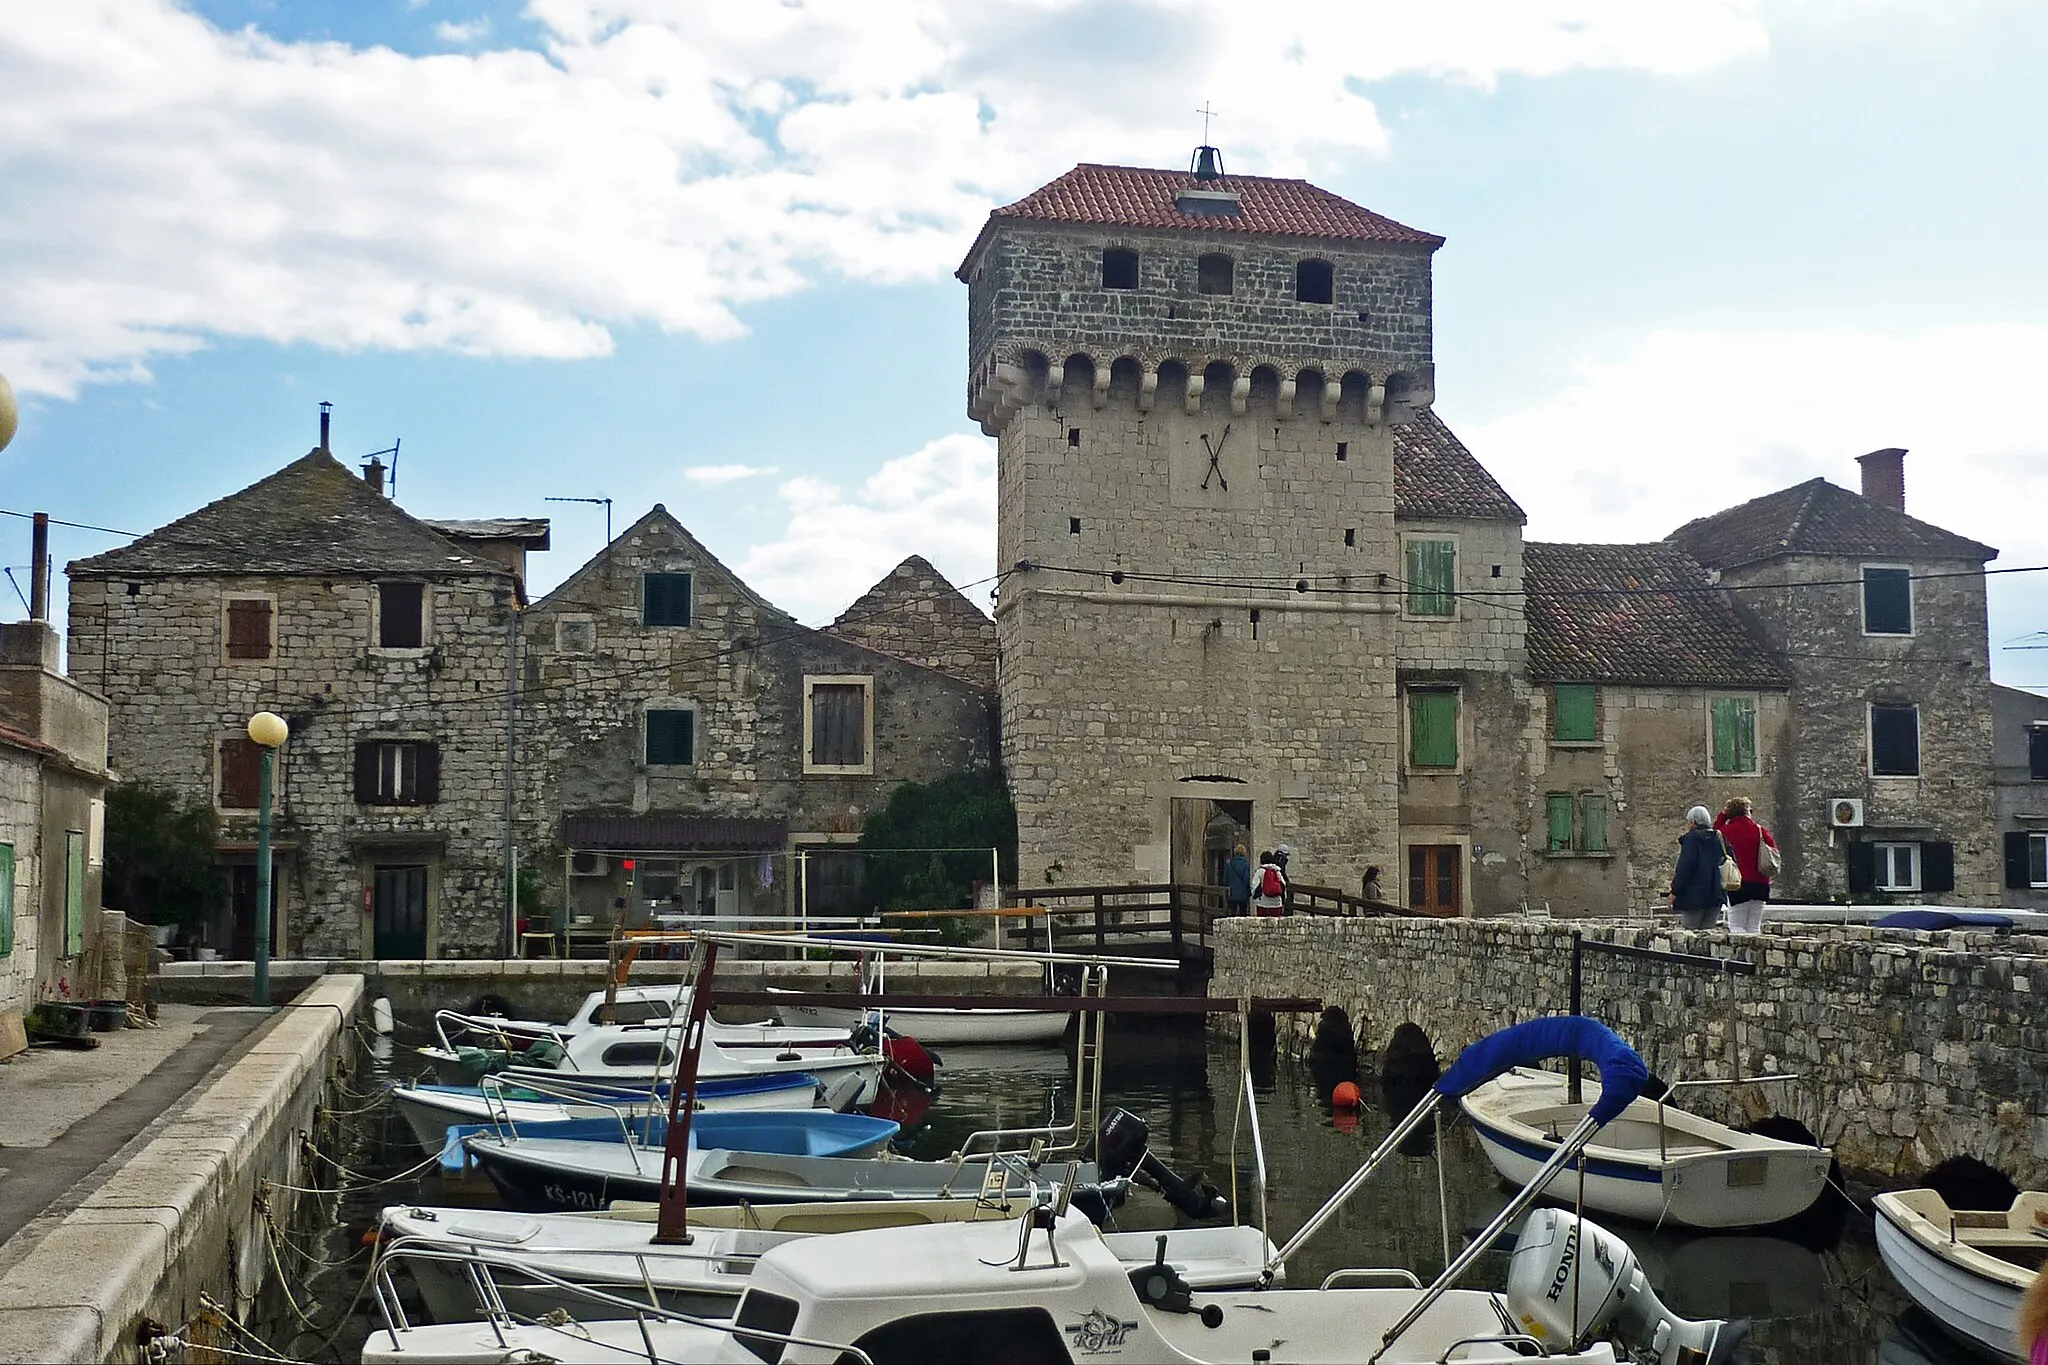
x=1651, y=761
x=915, y=614
x=1815, y=620
x=740, y=666
x=20, y=811
x=1910, y=1047
x=156, y=648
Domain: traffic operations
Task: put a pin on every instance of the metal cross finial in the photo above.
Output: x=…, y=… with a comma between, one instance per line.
x=1207, y=113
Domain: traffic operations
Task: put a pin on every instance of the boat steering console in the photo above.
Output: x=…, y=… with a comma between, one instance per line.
x=1160, y=1286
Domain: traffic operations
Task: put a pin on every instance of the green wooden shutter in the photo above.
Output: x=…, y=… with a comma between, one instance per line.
x=1734, y=720
x=7, y=898
x=1575, y=712
x=1433, y=729
x=1593, y=823
x=74, y=893
x=1432, y=571
x=1560, y=806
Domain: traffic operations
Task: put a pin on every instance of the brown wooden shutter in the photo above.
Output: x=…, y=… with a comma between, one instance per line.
x=428, y=782
x=366, y=772
x=838, y=725
x=249, y=628
x=241, y=773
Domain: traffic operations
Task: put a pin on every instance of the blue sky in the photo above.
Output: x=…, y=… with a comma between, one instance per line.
x=697, y=253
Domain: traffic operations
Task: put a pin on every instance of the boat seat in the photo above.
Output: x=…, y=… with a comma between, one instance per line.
x=2003, y=1237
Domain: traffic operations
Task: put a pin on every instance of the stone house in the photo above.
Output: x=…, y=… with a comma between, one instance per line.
x=2019, y=729
x=1195, y=382
x=686, y=748
x=385, y=643
x=915, y=614
x=1879, y=619
x=53, y=781
x=1650, y=693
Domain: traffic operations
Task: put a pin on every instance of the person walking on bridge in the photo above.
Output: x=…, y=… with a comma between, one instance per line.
x=1756, y=855
x=1269, y=888
x=1696, y=892
x=1237, y=882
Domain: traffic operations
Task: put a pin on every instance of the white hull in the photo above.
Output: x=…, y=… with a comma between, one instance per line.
x=940, y=1028
x=1968, y=1289
x=430, y=1113
x=1693, y=1171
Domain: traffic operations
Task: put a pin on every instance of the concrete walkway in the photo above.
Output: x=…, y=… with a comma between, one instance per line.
x=63, y=1113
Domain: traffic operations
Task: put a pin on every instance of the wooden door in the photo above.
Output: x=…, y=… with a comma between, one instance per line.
x=1435, y=873
x=242, y=910
x=398, y=903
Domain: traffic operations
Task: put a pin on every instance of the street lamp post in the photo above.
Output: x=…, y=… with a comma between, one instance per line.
x=269, y=732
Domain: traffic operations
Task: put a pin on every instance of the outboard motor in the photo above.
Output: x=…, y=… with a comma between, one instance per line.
x=1555, y=1285
x=1123, y=1148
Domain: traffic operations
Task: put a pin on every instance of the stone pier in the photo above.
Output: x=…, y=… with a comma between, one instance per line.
x=1909, y=1047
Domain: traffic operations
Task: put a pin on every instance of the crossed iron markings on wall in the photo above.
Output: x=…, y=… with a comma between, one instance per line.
x=1215, y=454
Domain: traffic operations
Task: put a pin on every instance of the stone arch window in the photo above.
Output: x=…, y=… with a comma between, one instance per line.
x=1119, y=268
x=1315, y=282
x=1215, y=273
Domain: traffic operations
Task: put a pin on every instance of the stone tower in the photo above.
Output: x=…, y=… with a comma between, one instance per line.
x=1194, y=380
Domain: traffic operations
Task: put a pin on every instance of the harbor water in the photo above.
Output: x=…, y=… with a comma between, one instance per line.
x=1824, y=1303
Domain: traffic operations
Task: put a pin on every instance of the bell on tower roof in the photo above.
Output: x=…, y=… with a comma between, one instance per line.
x=1207, y=164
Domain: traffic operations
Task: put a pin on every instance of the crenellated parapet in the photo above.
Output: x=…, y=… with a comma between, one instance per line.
x=1021, y=375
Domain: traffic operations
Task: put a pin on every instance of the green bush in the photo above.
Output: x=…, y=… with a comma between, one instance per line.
x=161, y=861
x=967, y=812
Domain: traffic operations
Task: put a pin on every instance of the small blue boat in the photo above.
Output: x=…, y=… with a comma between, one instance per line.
x=790, y=1132
x=429, y=1109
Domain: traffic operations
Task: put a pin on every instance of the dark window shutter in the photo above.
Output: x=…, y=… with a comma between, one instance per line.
x=838, y=725
x=241, y=773
x=1862, y=866
x=2016, y=870
x=249, y=628
x=429, y=779
x=1888, y=601
x=2037, y=753
x=1894, y=740
x=400, y=609
x=1937, y=868
x=366, y=772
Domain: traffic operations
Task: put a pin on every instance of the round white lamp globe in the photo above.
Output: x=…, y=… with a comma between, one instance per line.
x=10, y=412
x=268, y=729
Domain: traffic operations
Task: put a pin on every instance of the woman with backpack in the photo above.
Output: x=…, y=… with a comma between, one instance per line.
x=1696, y=892
x=1756, y=854
x=1269, y=888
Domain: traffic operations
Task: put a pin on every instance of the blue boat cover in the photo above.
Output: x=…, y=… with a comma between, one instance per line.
x=1622, y=1072
x=1942, y=919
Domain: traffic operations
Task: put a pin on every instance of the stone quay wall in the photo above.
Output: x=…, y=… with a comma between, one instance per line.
x=185, y=1213
x=1908, y=1047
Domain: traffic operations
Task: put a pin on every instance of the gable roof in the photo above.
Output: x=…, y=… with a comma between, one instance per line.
x=1436, y=476
x=530, y=532
x=1818, y=518
x=914, y=613
x=1646, y=614
x=1141, y=197
x=311, y=517
x=656, y=518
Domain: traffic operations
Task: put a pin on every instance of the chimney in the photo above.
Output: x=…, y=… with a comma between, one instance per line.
x=373, y=473
x=1884, y=477
x=325, y=410
x=39, y=573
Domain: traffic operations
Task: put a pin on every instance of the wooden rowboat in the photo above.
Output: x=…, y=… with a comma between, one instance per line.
x=1653, y=1163
x=1966, y=1268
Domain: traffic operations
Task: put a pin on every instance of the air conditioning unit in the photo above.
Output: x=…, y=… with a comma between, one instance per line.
x=1845, y=812
x=589, y=865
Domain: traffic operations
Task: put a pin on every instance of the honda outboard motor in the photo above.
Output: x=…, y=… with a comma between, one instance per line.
x=1123, y=1148
x=1557, y=1286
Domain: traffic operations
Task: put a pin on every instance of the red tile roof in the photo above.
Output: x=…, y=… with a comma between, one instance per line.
x=21, y=739
x=1133, y=196
x=1643, y=614
x=1436, y=476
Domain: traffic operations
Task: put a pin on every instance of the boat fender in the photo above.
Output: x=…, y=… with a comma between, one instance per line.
x=1345, y=1097
x=380, y=1015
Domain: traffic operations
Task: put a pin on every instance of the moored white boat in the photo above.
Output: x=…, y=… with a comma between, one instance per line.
x=1966, y=1268
x=941, y=1027
x=1655, y=1164
x=430, y=1110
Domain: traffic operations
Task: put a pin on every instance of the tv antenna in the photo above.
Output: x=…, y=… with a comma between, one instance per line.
x=392, y=451
x=605, y=502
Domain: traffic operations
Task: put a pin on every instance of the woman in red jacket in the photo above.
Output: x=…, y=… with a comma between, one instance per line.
x=1745, y=838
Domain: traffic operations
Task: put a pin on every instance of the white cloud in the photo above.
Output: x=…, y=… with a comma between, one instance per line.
x=939, y=502
x=714, y=475
x=1688, y=422
x=468, y=31
x=660, y=162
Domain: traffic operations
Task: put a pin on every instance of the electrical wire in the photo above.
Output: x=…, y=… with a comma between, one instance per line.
x=74, y=525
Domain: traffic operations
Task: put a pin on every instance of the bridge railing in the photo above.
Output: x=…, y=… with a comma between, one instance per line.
x=1180, y=915
x=1329, y=900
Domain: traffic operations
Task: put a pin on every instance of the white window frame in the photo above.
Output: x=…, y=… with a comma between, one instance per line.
x=228, y=599
x=1756, y=732
x=696, y=733
x=864, y=681
x=392, y=761
x=1457, y=558
x=1863, y=605
x=561, y=645
x=2037, y=861
x=426, y=643
x=1881, y=875
x=1870, y=743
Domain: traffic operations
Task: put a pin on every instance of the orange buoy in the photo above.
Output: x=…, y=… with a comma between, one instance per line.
x=1346, y=1095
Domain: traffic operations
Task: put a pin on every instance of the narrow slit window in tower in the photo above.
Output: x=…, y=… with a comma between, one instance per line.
x=1314, y=281
x=1073, y=526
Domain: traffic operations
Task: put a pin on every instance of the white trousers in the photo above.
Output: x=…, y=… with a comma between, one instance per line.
x=1746, y=917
